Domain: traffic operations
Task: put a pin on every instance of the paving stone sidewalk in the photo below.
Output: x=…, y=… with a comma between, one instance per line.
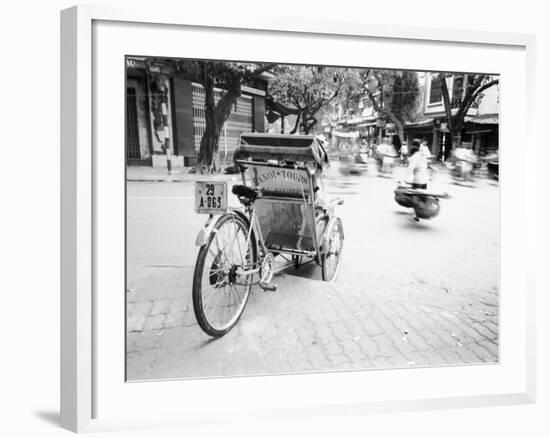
x=306, y=325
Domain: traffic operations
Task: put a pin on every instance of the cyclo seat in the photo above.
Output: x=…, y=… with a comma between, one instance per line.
x=246, y=192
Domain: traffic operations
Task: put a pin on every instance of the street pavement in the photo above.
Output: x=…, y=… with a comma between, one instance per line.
x=408, y=293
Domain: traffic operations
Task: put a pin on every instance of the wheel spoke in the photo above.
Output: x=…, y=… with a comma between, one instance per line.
x=219, y=295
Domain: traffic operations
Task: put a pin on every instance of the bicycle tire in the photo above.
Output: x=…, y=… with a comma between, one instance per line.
x=330, y=266
x=205, y=323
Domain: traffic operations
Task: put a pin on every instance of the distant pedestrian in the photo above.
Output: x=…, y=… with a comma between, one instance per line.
x=424, y=149
x=396, y=141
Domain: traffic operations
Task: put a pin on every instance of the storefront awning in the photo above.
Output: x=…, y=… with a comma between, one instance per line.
x=420, y=124
x=350, y=134
x=359, y=121
x=366, y=124
x=478, y=131
x=486, y=119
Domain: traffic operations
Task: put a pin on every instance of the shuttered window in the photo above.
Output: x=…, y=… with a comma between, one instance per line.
x=240, y=120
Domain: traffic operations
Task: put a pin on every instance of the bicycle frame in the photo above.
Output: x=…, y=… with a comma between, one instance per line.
x=255, y=229
x=249, y=215
x=283, y=221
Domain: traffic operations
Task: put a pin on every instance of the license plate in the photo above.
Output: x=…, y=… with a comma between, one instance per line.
x=210, y=197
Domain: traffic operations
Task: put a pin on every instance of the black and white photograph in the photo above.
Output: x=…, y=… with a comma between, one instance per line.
x=285, y=218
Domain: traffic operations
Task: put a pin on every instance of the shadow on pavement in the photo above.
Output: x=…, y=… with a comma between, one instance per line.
x=51, y=417
x=206, y=343
x=420, y=225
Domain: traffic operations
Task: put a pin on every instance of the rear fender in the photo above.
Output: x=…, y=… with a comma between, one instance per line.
x=210, y=228
x=206, y=230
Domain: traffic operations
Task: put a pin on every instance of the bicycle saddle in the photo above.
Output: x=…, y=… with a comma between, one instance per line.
x=245, y=191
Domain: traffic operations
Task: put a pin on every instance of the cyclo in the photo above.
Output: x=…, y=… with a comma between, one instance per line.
x=283, y=221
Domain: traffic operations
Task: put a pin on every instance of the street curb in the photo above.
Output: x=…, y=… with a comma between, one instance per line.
x=157, y=180
x=180, y=179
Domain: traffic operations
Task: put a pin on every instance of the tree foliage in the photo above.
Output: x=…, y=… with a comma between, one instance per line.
x=393, y=94
x=304, y=91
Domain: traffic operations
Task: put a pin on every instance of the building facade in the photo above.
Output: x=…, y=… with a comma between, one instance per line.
x=165, y=111
x=352, y=125
x=481, y=123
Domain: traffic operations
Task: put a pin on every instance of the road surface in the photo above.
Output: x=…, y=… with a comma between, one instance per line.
x=408, y=293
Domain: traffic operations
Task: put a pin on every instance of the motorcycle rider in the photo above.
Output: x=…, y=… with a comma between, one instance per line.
x=386, y=154
x=418, y=166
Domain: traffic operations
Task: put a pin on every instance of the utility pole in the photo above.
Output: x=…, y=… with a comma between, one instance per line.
x=381, y=122
x=166, y=145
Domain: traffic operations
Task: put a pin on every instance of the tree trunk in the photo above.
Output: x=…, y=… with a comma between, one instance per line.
x=458, y=126
x=448, y=109
x=215, y=116
x=379, y=109
x=296, y=124
x=400, y=130
x=308, y=122
x=209, y=140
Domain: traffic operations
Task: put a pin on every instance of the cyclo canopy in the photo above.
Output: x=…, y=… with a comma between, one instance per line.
x=282, y=148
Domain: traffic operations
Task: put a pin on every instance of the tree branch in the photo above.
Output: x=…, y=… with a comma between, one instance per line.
x=372, y=99
x=478, y=81
x=297, y=104
x=389, y=114
x=334, y=95
x=469, y=100
x=296, y=124
x=446, y=100
x=263, y=69
x=280, y=107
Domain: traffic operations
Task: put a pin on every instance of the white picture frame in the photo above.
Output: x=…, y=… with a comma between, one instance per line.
x=83, y=369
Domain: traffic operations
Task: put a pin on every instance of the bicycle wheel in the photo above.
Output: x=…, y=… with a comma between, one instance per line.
x=330, y=261
x=220, y=291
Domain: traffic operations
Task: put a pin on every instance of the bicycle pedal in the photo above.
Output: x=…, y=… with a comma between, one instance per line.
x=268, y=287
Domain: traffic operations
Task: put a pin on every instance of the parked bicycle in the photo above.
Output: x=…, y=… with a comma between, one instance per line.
x=283, y=219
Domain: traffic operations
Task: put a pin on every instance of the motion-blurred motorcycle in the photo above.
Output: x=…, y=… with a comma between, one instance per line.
x=356, y=164
x=386, y=157
x=492, y=161
x=385, y=164
x=462, y=166
x=424, y=203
